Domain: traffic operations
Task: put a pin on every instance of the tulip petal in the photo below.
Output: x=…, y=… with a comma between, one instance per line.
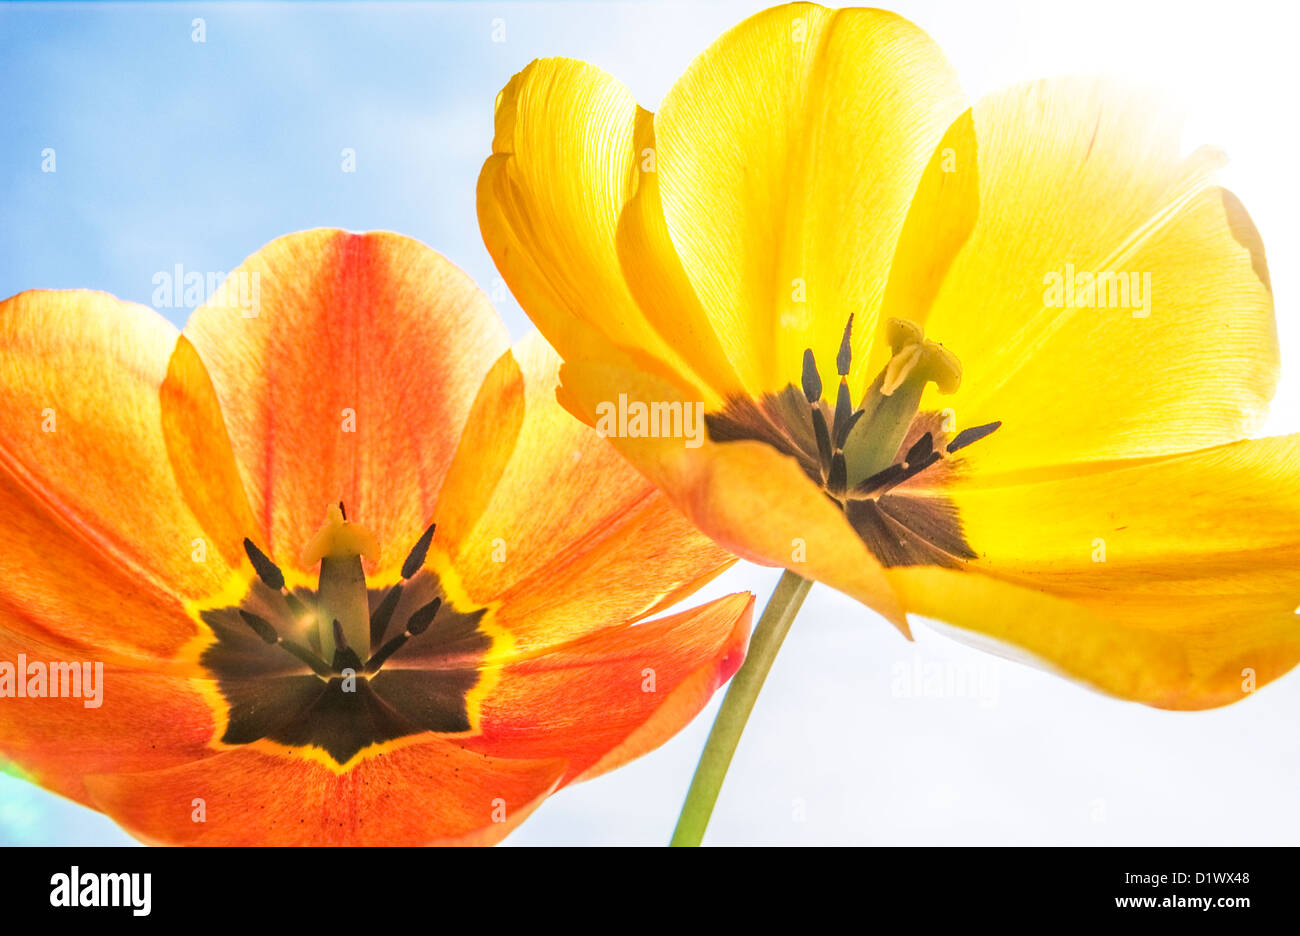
x=939, y=221
x=607, y=698
x=121, y=719
x=1085, y=173
x=598, y=548
x=202, y=459
x=1168, y=581
x=100, y=547
x=786, y=215
x=351, y=382
x=431, y=792
x=485, y=450
x=568, y=206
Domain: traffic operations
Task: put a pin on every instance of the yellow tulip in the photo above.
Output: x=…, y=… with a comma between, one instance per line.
x=995, y=365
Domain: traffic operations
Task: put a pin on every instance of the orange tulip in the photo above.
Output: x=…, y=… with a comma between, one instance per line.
x=375, y=678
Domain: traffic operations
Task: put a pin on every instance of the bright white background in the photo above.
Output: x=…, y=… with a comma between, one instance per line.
x=173, y=158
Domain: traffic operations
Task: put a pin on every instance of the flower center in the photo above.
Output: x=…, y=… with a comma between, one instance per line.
x=339, y=616
x=860, y=454
x=306, y=668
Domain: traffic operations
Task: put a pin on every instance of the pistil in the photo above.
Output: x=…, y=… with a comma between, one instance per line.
x=891, y=402
x=343, y=604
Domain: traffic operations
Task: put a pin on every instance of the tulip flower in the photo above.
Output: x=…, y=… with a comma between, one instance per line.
x=352, y=576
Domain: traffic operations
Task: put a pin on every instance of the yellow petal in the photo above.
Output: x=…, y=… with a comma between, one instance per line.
x=1168, y=581
x=1089, y=174
x=572, y=149
x=940, y=219
x=788, y=155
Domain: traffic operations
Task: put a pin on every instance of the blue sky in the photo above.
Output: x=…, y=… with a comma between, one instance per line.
x=170, y=151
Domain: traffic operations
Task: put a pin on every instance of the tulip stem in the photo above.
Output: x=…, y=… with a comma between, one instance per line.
x=764, y=643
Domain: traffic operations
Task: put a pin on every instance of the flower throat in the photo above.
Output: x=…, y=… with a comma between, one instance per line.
x=863, y=456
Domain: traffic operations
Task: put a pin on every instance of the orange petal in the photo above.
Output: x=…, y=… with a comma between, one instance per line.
x=484, y=451
x=134, y=720
x=99, y=543
x=201, y=456
x=421, y=794
x=572, y=538
x=614, y=695
x=352, y=381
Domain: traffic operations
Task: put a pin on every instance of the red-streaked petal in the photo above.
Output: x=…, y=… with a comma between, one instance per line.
x=614, y=695
x=353, y=381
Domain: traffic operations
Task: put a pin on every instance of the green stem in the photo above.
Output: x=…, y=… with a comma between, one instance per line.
x=741, y=695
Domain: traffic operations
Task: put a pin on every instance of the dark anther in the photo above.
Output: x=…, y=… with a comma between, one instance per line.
x=845, y=357
x=919, y=450
x=266, y=570
x=261, y=625
x=838, y=479
x=823, y=439
x=418, y=623
x=812, y=381
x=422, y=618
x=343, y=510
x=885, y=478
x=415, y=559
x=383, y=614
x=973, y=434
x=345, y=658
